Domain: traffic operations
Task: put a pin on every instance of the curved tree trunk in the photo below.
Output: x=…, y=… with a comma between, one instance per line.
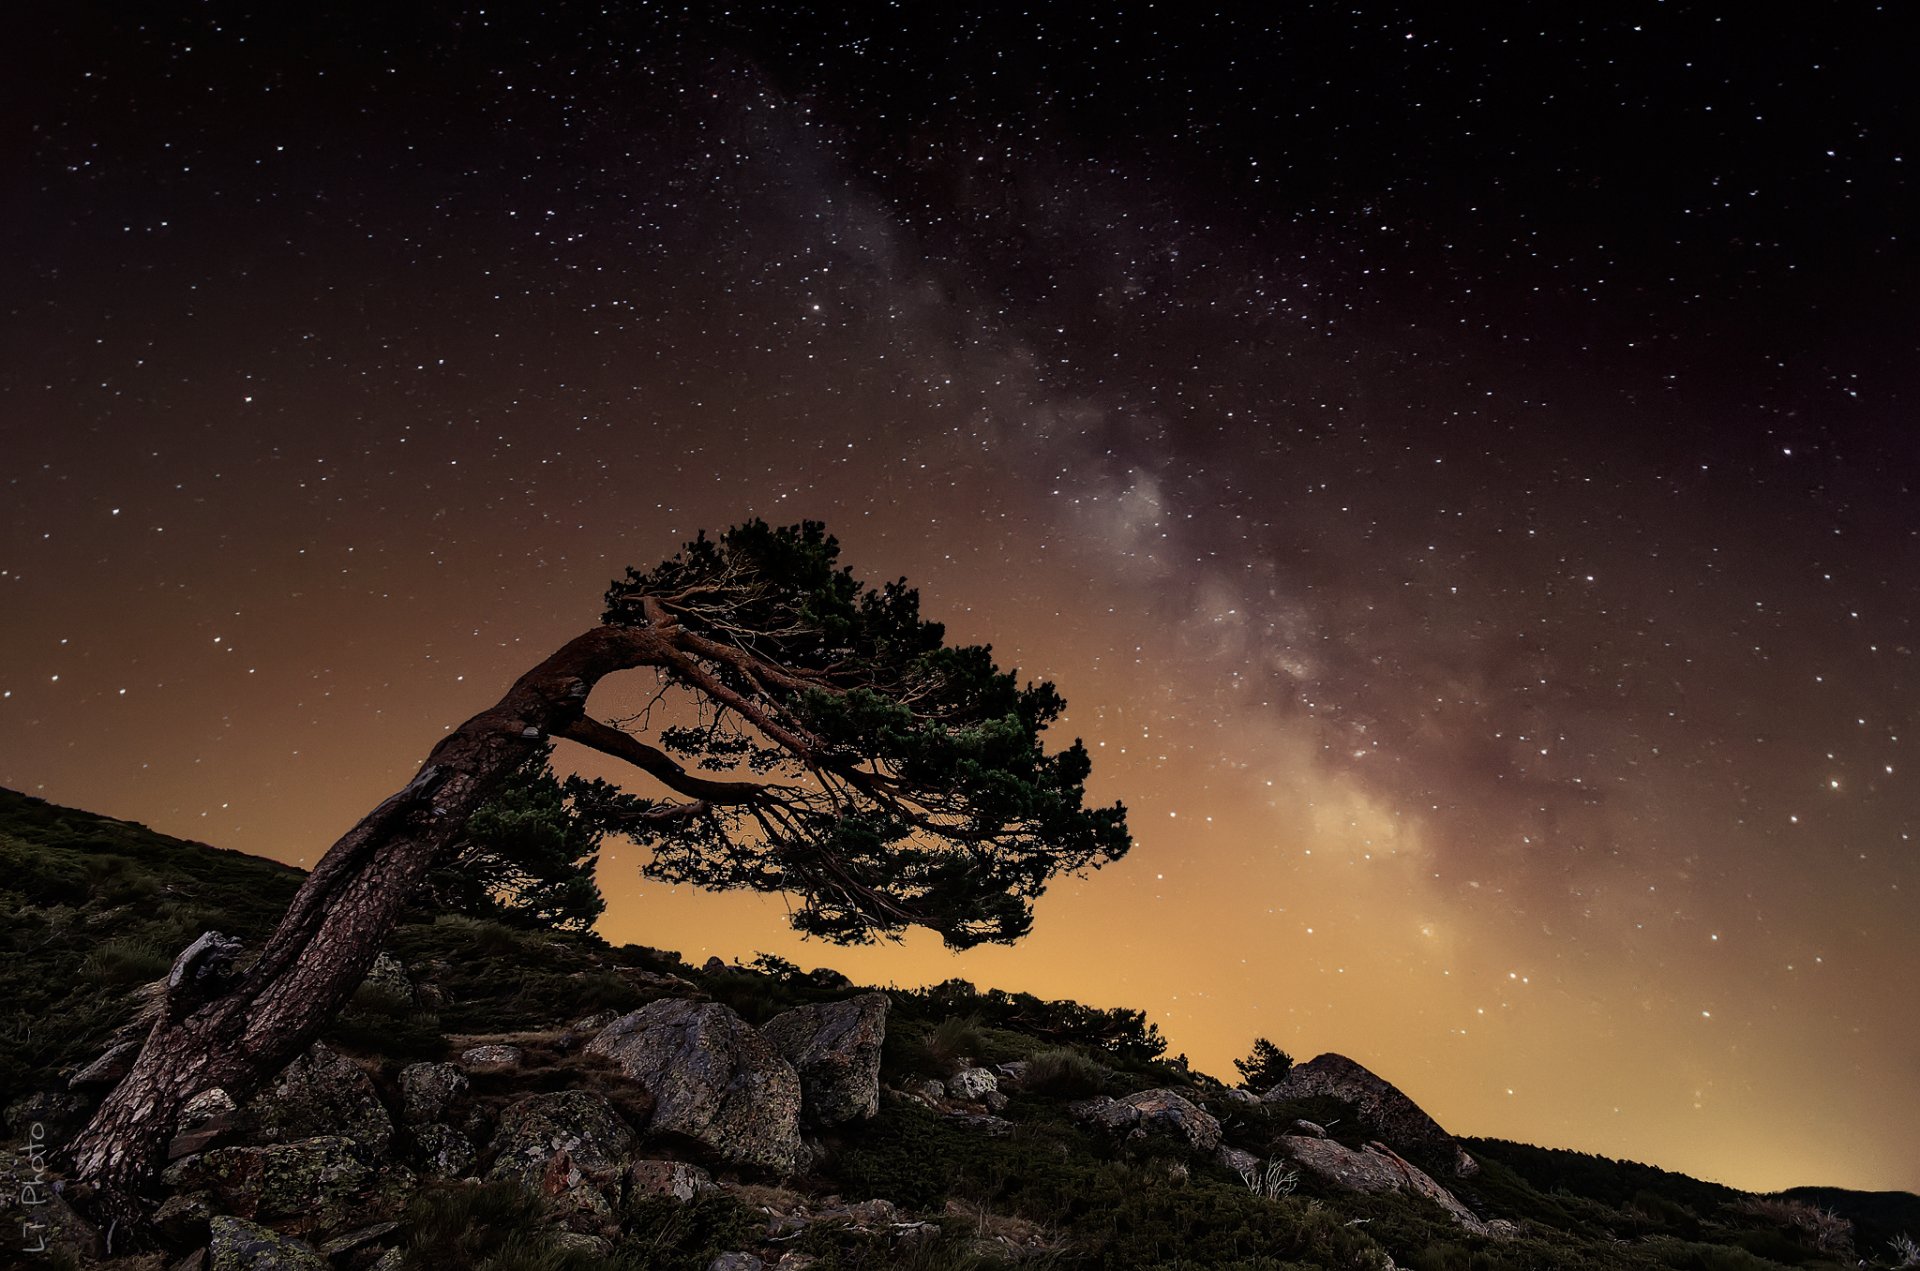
x=241, y=1036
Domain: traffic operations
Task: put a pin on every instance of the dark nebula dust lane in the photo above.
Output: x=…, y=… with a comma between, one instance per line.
x=1459, y=471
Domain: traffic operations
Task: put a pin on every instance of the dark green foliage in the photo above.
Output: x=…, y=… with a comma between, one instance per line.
x=1877, y=1217
x=83, y=891
x=1119, y=1033
x=661, y=1234
x=1610, y=1182
x=529, y=852
x=1061, y=1072
x=89, y=909
x=490, y=1227
x=1266, y=1067
x=906, y=780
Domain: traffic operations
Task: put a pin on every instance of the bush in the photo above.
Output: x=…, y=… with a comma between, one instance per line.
x=1063, y=1073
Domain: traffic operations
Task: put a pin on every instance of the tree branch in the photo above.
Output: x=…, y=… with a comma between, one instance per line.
x=657, y=764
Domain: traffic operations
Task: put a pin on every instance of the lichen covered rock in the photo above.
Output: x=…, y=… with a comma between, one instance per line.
x=440, y=1151
x=675, y=1180
x=321, y=1093
x=714, y=1080
x=571, y=1145
x=428, y=1092
x=834, y=1047
x=239, y=1245
x=973, y=1084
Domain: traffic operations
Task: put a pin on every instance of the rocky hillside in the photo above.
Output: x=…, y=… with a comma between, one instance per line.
x=506, y=1098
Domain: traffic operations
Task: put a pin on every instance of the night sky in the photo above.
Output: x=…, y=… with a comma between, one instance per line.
x=1459, y=470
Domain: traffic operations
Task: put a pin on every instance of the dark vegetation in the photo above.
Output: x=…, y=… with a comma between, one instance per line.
x=95, y=907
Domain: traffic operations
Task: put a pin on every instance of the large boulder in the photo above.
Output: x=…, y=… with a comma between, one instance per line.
x=1378, y=1106
x=714, y=1080
x=321, y=1093
x=1374, y=1168
x=834, y=1047
x=1164, y=1112
x=571, y=1145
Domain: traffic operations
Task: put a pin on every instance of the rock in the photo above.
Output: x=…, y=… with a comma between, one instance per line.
x=995, y=1101
x=210, y=1104
x=1237, y=1095
x=1244, y=1164
x=993, y=1127
x=195, y=1261
x=109, y=1067
x=676, y=1180
x=492, y=1058
x=358, y=1239
x=388, y=977
x=714, y=1080
x=568, y=1144
x=239, y=1245
x=321, y=1180
x=321, y=1094
x=183, y=1217
x=429, y=1091
x=589, y=1025
x=1379, y=1107
x=1312, y=1129
x=865, y=1213
x=834, y=1047
x=1375, y=1168
x=736, y=1262
x=441, y=1151
x=1165, y=1112
x=794, y=1260
x=972, y=1084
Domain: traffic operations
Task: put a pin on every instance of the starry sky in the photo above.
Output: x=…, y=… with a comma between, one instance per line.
x=1458, y=467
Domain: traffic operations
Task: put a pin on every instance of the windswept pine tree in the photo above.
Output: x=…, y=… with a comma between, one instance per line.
x=832, y=746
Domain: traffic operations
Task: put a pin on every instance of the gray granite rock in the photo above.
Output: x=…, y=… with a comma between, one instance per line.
x=714, y=1080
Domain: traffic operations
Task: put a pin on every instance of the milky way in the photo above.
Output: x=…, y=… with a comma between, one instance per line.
x=1459, y=475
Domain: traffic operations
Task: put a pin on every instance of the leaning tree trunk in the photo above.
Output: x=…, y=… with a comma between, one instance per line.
x=238, y=1035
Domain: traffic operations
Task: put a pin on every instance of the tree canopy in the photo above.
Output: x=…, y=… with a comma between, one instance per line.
x=528, y=854
x=890, y=779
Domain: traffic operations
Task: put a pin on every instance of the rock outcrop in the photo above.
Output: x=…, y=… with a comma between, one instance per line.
x=1381, y=1109
x=714, y=1080
x=1374, y=1168
x=834, y=1047
x=1165, y=1112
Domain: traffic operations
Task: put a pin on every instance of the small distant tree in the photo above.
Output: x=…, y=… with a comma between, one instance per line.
x=529, y=853
x=827, y=744
x=1266, y=1067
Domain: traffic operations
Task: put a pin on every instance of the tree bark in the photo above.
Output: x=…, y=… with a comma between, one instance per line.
x=242, y=1036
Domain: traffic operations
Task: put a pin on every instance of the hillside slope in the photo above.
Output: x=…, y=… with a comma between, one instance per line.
x=505, y=1097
